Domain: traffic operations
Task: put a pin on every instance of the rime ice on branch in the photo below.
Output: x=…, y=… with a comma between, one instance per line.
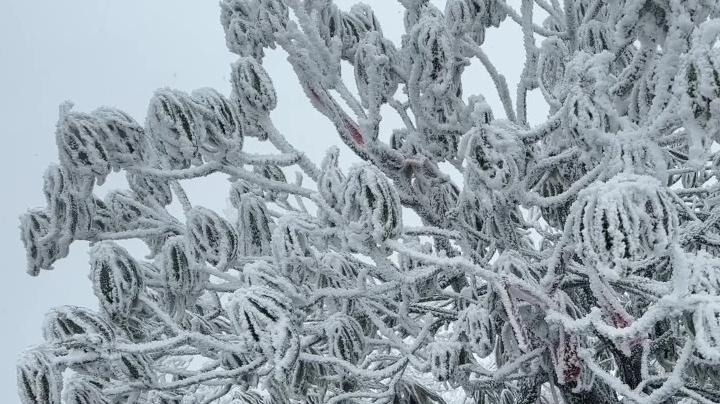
x=576, y=261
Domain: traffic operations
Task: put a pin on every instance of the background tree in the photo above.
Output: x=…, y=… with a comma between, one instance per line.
x=576, y=261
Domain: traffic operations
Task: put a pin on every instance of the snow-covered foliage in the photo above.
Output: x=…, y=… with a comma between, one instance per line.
x=576, y=261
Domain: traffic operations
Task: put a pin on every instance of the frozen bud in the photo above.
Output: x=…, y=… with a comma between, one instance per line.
x=585, y=111
x=466, y=17
x=211, y=237
x=180, y=273
x=70, y=211
x=479, y=110
x=374, y=71
x=252, y=86
x=84, y=390
x=700, y=82
x=220, y=135
x=337, y=270
x=406, y=142
x=475, y=327
x=489, y=12
x=150, y=189
x=248, y=397
x=278, y=392
x=555, y=184
x=476, y=218
x=286, y=351
x=351, y=34
x=132, y=367
x=55, y=183
x=441, y=193
x=495, y=155
x=238, y=189
x=273, y=16
x=371, y=204
x=478, y=7
x=66, y=323
x=39, y=380
x=242, y=34
x=255, y=238
x=346, y=339
x=273, y=173
x=102, y=220
x=416, y=10
x=458, y=17
x=551, y=66
x=706, y=322
x=329, y=16
x=355, y=26
x=128, y=212
x=440, y=138
x=638, y=154
x=79, y=139
x=444, y=357
x=365, y=14
x=171, y=124
x=330, y=183
x=595, y=37
x=258, y=311
x=496, y=12
x=307, y=375
x=42, y=248
x=552, y=23
x=649, y=22
x=432, y=44
x=642, y=91
x=261, y=273
x=507, y=397
x=116, y=279
x=124, y=138
x=291, y=245
x=624, y=221
x=585, y=115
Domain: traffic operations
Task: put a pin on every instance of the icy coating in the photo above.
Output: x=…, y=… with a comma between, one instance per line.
x=577, y=262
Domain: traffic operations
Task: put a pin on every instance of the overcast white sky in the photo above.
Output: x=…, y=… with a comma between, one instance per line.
x=116, y=53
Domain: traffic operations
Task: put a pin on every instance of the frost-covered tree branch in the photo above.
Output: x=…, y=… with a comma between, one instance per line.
x=576, y=261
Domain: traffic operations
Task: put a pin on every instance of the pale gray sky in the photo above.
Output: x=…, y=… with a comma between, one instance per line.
x=117, y=53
